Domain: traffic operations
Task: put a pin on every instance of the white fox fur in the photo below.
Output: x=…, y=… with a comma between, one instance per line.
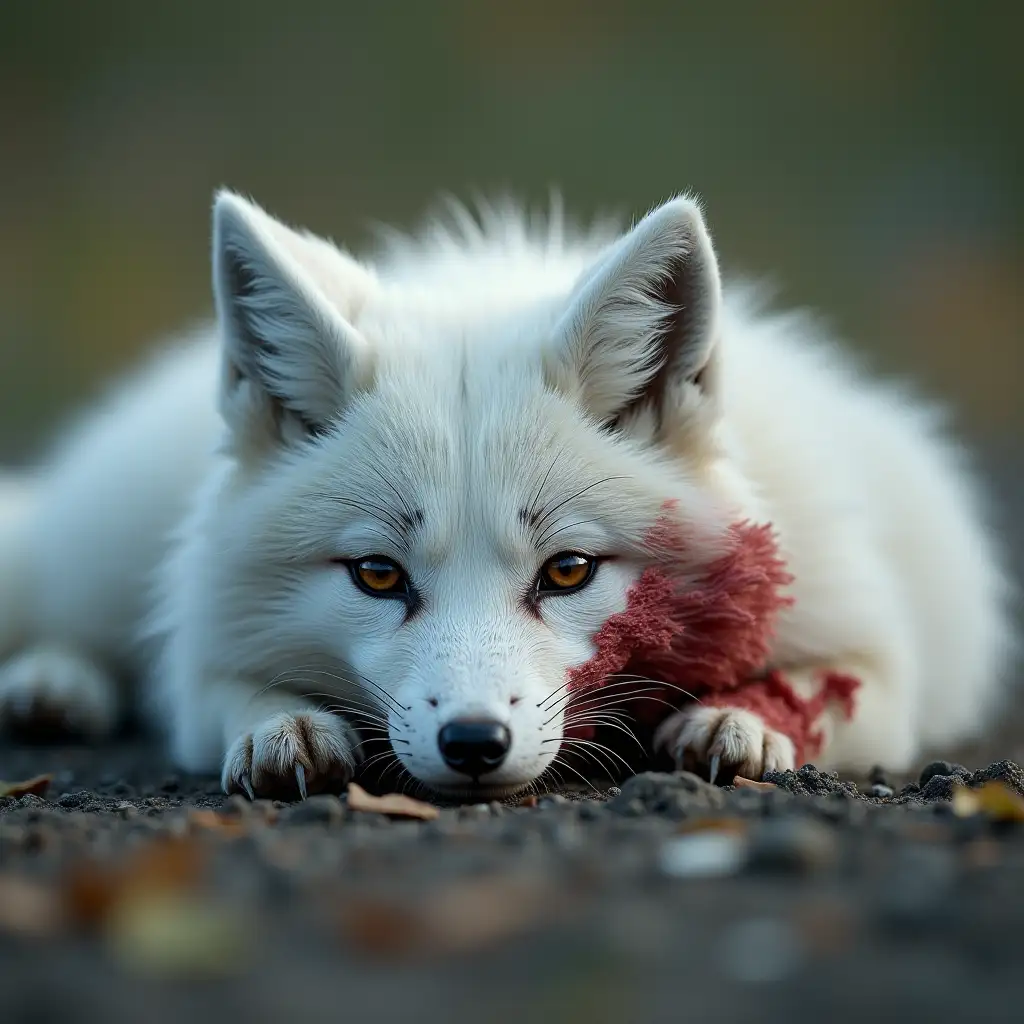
x=412, y=406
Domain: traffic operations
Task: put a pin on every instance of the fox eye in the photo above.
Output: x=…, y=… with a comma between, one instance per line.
x=380, y=577
x=566, y=572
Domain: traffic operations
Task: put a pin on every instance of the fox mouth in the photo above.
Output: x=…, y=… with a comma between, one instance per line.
x=474, y=793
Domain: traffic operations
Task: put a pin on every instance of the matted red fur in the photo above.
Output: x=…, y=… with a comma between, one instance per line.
x=709, y=636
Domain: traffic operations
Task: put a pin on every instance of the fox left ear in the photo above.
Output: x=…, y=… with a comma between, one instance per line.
x=291, y=361
x=640, y=332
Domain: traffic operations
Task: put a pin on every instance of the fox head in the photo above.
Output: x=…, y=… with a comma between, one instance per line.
x=449, y=464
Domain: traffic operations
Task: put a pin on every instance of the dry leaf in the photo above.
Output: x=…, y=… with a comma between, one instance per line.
x=394, y=804
x=742, y=783
x=36, y=787
x=26, y=908
x=995, y=799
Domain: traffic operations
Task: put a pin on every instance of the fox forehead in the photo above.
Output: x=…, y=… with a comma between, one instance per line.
x=478, y=469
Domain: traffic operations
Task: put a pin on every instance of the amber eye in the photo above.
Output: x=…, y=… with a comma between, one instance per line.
x=566, y=571
x=379, y=576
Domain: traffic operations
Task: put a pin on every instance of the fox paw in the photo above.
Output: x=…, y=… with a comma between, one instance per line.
x=291, y=754
x=728, y=740
x=48, y=690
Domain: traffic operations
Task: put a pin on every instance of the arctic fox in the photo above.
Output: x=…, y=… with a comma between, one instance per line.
x=485, y=491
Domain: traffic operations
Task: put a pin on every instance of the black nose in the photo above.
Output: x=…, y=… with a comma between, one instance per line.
x=474, y=748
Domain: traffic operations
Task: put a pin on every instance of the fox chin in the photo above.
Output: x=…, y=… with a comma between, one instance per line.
x=489, y=489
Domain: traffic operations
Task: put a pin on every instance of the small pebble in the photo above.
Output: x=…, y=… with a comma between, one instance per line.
x=882, y=791
x=790, y=844
x=553, y=800
x=323, y=808
x=590, y=810
x=708, y=854
x=474, y=812
x=944, y=768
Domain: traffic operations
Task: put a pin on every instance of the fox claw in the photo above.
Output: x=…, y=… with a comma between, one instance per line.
x=303, y=751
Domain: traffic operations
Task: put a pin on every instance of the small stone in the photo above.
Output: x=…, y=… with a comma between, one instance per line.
x=881, y=791
x=553, y=800
x=613, y=791
x=940, y=787
x=323, y=808
x=705, y=854
x=809, y=781
x=74, y=799
x=631, y=808
x=268, y=810
x=237, y=805
x=1006, y=772
x=672, y=795
x=788, y=844
x=474, y=812
x=944, y=768
x=590, y=810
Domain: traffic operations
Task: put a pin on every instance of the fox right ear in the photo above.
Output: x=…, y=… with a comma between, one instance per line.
x=290, y=361
x=640, y=335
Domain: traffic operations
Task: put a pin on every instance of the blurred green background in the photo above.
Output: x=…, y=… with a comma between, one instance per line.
x=865, y=157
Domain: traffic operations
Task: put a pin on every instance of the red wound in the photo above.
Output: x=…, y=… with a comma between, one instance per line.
x=710, y=635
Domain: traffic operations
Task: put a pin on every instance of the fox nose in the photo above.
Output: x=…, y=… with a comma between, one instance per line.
x=474, y=748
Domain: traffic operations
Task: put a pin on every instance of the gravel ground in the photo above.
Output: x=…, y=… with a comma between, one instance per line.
x=129, y=892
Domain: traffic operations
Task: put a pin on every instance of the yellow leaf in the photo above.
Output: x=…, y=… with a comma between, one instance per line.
x=995, y=799
x=37, y=786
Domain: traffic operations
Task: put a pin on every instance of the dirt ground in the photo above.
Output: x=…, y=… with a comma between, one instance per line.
x=129, y=892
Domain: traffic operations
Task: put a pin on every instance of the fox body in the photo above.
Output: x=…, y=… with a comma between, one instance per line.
x=482, y=491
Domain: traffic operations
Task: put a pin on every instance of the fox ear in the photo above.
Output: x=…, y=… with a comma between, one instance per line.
x=289, y=359
x=640, y=332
